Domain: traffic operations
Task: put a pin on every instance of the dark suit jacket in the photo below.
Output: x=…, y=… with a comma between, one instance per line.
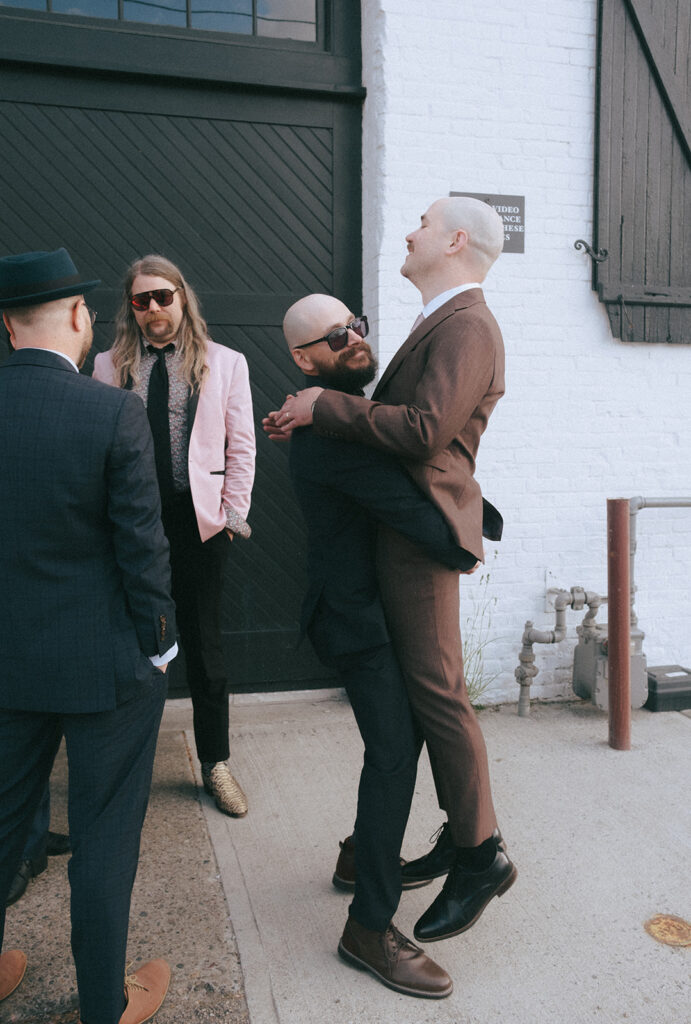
x=344, y=490
x=85, y=594
x=430, y=409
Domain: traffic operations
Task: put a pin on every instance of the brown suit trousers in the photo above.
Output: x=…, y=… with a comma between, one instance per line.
x=421, y=601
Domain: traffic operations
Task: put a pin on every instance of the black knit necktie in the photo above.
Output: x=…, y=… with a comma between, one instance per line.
x=157, y=410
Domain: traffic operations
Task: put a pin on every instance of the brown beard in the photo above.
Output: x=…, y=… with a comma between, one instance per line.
x=347, y=378
x=165, y=336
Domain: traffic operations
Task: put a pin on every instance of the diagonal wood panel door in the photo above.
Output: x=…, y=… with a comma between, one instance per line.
x=255, y=196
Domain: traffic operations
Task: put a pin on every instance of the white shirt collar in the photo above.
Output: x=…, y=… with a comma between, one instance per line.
x=55, y=353
x=439, y=300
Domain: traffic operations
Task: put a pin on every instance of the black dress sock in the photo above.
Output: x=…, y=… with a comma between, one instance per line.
x=477, y=858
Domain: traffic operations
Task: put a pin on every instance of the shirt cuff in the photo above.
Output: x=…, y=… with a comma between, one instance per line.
x=235, y=522
x=157, y=660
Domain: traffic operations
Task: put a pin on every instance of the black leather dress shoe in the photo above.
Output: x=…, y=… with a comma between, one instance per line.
x=57, y=844
x=438, y=861
x=27, y=870
x=463, y=897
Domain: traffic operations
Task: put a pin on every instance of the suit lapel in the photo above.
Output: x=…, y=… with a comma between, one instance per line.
x=413, y=339
x=192, y=403
x=456, y=302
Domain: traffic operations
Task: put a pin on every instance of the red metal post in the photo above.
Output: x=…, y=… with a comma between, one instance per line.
x=619, y=616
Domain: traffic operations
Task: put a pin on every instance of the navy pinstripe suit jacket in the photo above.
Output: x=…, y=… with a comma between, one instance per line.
x=85, y=580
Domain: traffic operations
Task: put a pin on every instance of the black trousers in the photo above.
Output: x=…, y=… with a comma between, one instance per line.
x=110, y=756
x=377, y=693
x=197, y=584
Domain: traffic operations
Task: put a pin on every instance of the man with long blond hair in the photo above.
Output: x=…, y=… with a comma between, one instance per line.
x=198, y=401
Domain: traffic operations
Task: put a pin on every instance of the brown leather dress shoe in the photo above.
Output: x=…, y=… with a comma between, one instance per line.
x=145, y=991
x=394, y=960
x=12, y=967
x=344, y=876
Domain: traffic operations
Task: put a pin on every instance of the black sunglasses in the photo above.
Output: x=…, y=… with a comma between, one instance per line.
x=338, y=338
x=161, y=296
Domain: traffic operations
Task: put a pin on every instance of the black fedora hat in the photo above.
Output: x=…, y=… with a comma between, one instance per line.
x=35, y=277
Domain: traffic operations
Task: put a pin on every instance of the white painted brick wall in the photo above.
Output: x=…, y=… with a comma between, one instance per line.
x=500, y=97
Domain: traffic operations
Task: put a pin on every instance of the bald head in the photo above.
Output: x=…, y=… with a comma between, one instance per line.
x=63, y=325
x=313, y=317
x=457, y=242
x=481, y=222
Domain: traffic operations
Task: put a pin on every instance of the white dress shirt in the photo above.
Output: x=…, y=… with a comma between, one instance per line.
x=439, y=300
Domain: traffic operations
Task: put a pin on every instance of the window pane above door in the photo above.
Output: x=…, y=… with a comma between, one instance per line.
x=87, y=8
x=222, y=15
x=155, y=12
x=268, y=19
x=287, y=19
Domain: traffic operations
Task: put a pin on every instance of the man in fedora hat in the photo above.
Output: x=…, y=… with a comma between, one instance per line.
x=88, y=623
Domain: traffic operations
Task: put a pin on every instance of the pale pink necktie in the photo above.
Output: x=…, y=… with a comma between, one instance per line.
x=416, y=323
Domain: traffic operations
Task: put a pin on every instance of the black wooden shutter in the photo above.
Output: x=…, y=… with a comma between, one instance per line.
x=643, y=175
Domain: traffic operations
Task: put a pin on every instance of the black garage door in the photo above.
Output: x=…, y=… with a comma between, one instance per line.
x=257, y=196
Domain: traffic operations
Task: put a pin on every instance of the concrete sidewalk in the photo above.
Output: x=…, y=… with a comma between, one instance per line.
x=601, y=838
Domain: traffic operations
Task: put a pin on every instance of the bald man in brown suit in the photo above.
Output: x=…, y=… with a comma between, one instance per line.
x=430, y=409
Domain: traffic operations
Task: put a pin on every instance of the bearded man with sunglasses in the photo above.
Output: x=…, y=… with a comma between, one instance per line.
x=199, y=406
x=430, y=409
x=345, y=490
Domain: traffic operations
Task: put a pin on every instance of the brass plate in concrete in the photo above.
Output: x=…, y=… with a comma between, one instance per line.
x=667, y=928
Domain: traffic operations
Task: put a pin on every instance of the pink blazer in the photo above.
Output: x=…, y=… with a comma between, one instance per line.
x=222, y=445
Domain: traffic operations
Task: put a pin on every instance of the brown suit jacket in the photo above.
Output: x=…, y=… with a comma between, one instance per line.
x=431, y=407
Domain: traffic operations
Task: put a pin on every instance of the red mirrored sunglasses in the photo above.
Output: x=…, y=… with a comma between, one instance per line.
x=161, y=296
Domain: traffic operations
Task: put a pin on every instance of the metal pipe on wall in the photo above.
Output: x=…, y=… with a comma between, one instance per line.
x=576, y=598
x=527, y=670
x=635, y=506
x=619, y=638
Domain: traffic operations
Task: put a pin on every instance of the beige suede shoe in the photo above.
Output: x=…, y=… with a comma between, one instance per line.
x=145, y=991
x=12, y=967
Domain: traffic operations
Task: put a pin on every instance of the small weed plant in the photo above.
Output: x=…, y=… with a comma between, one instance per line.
x=476, y=640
